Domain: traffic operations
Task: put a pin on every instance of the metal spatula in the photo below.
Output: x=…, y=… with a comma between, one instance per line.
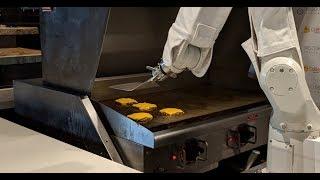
x=135, y=85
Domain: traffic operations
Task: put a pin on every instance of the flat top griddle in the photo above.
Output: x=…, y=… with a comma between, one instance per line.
x=198, y=102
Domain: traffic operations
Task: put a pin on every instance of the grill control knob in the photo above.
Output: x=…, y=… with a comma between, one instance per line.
x=247, y=134
x=196, y=150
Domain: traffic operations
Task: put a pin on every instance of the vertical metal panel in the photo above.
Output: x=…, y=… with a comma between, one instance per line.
x=135, y=38
x=71, y=40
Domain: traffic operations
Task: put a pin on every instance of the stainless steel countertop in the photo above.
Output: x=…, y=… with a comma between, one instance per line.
x=24, y=150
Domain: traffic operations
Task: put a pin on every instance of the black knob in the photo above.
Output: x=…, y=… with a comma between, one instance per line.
x=246, y=133
x=193, y=149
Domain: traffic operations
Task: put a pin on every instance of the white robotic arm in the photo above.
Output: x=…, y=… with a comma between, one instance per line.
x=295, y=123
x=275, y=54
x=190, y=41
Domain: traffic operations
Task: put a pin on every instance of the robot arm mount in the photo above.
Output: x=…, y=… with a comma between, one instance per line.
x=283, y=81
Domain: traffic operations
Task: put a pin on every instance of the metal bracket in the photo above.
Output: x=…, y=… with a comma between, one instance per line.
x=102, y=132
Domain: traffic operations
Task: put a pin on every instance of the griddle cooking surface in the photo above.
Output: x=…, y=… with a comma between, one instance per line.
x=199, y=102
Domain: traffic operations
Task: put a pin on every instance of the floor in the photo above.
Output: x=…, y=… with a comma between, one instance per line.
x=26, y=151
